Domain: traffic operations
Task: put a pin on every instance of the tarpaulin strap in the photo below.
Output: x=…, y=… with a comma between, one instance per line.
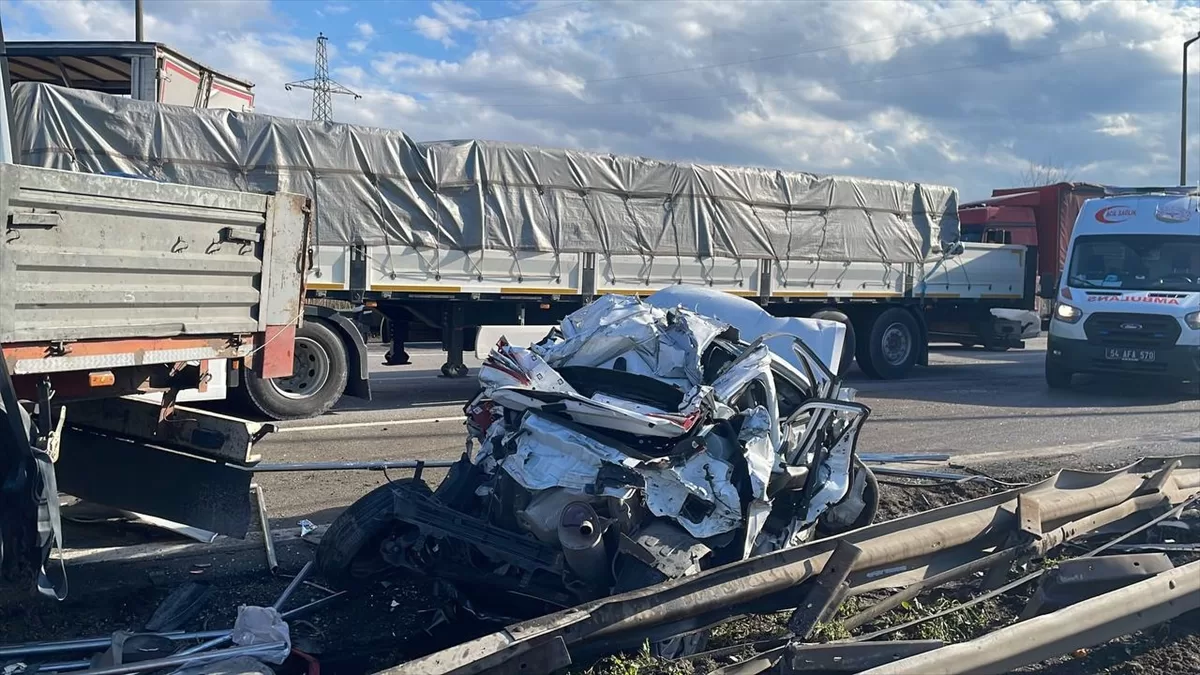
x=605, y=245
x=437, y=234
x=647, y=268
x=820, y=246
x=49, y=527
x=669, y=207
x=316, y=221
x=963, y=267
x=556, y=232
x=387, y=239
x=786, y=266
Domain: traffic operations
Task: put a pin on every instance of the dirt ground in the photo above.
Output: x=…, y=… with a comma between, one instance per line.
x=396, y=621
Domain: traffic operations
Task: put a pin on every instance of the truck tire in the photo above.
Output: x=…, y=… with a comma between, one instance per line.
x=1057, y=377
x=348, y=555
x=318, y=377
x=851, y=342
x=890, y=349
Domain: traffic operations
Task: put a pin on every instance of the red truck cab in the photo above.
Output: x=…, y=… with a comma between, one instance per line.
x=1038, y=217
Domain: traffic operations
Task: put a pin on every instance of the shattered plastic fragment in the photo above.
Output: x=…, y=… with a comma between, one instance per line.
x=262, y=625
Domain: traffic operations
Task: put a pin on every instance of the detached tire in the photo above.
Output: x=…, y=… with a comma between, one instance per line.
x=890, y=347
x=348, y=555
x=851, y=342
x=319, y=373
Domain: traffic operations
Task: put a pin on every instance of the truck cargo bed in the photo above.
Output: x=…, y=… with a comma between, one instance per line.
x=99, y=271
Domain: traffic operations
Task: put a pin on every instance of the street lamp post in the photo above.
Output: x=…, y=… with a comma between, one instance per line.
x=1183, y=118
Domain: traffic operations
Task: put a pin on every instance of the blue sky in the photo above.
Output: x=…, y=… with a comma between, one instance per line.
x=962, y=92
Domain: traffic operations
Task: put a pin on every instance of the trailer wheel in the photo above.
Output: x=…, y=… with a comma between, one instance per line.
x=349, y=554
x=891, y=347
x=851, y=342
x=319, y=374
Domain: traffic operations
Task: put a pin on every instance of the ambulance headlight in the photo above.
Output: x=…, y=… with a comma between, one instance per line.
x=1067, y=313
x=1192, y=320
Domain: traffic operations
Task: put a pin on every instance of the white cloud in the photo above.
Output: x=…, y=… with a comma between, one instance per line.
x=449, y=18
x=1122, y=124
x=455, y=14
x=433, y=29
x=965, y=93
x=350, y=75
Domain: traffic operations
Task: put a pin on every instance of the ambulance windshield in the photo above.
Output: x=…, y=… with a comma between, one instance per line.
x=1144, y=262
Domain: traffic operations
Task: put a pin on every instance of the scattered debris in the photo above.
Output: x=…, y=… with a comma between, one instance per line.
x=1030, y=522
x=261, y=630
x=306, y=527
x=179, y=607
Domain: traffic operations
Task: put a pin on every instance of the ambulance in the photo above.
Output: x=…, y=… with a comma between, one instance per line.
x=1128, y=298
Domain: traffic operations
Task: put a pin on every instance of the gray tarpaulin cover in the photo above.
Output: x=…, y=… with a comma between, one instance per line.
x=380, y=187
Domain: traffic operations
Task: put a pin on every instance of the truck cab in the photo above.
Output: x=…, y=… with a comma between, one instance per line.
x=1128, y=300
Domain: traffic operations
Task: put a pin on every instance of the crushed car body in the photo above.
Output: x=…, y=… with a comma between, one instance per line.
x=634, y=443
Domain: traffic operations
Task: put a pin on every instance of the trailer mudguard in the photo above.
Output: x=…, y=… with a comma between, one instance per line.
x=358, y=382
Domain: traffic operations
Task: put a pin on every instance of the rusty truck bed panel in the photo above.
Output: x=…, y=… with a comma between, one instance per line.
x=87, y=258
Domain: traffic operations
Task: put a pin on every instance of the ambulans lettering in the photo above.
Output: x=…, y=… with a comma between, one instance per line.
x=1134, y=298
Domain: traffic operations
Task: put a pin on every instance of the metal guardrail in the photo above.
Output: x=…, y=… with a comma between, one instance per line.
x=1019, y=523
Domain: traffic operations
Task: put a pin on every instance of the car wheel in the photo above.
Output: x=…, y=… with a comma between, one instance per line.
x=850, y=343
x=348, y=555
x=891, y=345
x=319, y=372
x=855, y=510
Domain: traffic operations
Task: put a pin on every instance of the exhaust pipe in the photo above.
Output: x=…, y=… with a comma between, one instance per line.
x=581, y=535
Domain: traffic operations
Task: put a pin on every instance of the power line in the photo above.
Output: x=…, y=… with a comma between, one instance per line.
x=321, y=85
x=482, y=19
x=742, y=62
x=885, y=78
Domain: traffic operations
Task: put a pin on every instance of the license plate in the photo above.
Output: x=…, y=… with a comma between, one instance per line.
x=1125, y=354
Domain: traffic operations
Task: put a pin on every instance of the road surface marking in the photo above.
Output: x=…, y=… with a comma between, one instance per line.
x=386, y=423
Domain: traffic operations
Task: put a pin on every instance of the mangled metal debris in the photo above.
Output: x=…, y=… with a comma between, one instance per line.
x=635, y=443
x=951, y=542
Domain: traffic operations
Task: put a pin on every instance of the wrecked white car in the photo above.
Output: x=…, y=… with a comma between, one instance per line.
x=633, y=444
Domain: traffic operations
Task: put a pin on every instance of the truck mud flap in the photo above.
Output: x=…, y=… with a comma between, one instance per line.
x=144, y=479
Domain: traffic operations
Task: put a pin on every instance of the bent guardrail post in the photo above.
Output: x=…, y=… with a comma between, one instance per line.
x=1090, y=622
x=895, y=554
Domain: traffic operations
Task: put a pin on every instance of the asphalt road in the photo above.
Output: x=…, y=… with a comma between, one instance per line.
x=990, y=411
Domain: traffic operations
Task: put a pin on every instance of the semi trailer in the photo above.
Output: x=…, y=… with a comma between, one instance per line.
x=458, y=234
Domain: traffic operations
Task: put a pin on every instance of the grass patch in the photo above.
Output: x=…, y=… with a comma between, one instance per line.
x=641, y=663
